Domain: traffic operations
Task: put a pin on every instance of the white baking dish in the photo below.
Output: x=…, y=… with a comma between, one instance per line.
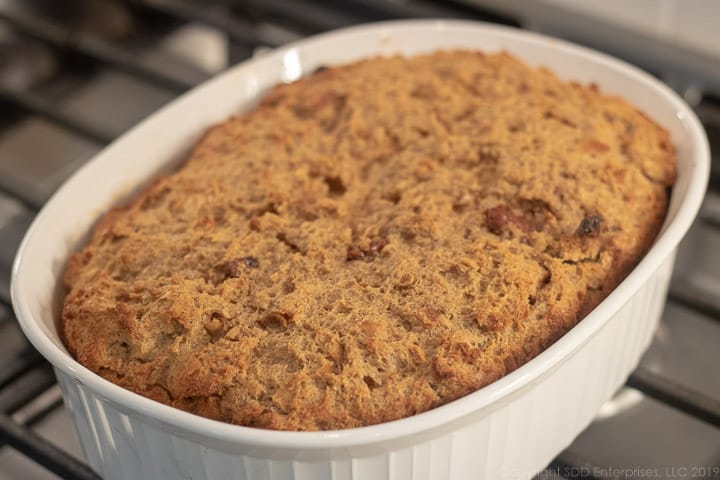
x=509, y=429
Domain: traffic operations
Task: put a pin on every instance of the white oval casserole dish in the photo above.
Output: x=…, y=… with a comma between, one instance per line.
x=509, y=429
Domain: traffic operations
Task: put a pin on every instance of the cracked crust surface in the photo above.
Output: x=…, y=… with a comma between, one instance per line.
x=372, y=241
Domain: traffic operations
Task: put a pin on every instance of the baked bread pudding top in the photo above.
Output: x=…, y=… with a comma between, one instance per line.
x=370, y=242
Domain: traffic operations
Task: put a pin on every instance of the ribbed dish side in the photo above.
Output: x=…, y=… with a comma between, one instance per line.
x=513, y=441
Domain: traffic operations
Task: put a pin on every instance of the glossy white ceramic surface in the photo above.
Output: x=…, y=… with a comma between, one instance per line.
x=509, y=429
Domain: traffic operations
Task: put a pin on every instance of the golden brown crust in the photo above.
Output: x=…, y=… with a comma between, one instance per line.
x=371, y=242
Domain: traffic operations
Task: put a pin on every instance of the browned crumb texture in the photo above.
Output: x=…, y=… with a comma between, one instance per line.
x=372, y=241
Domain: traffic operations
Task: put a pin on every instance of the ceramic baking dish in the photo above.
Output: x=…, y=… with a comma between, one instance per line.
x=509, y=429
